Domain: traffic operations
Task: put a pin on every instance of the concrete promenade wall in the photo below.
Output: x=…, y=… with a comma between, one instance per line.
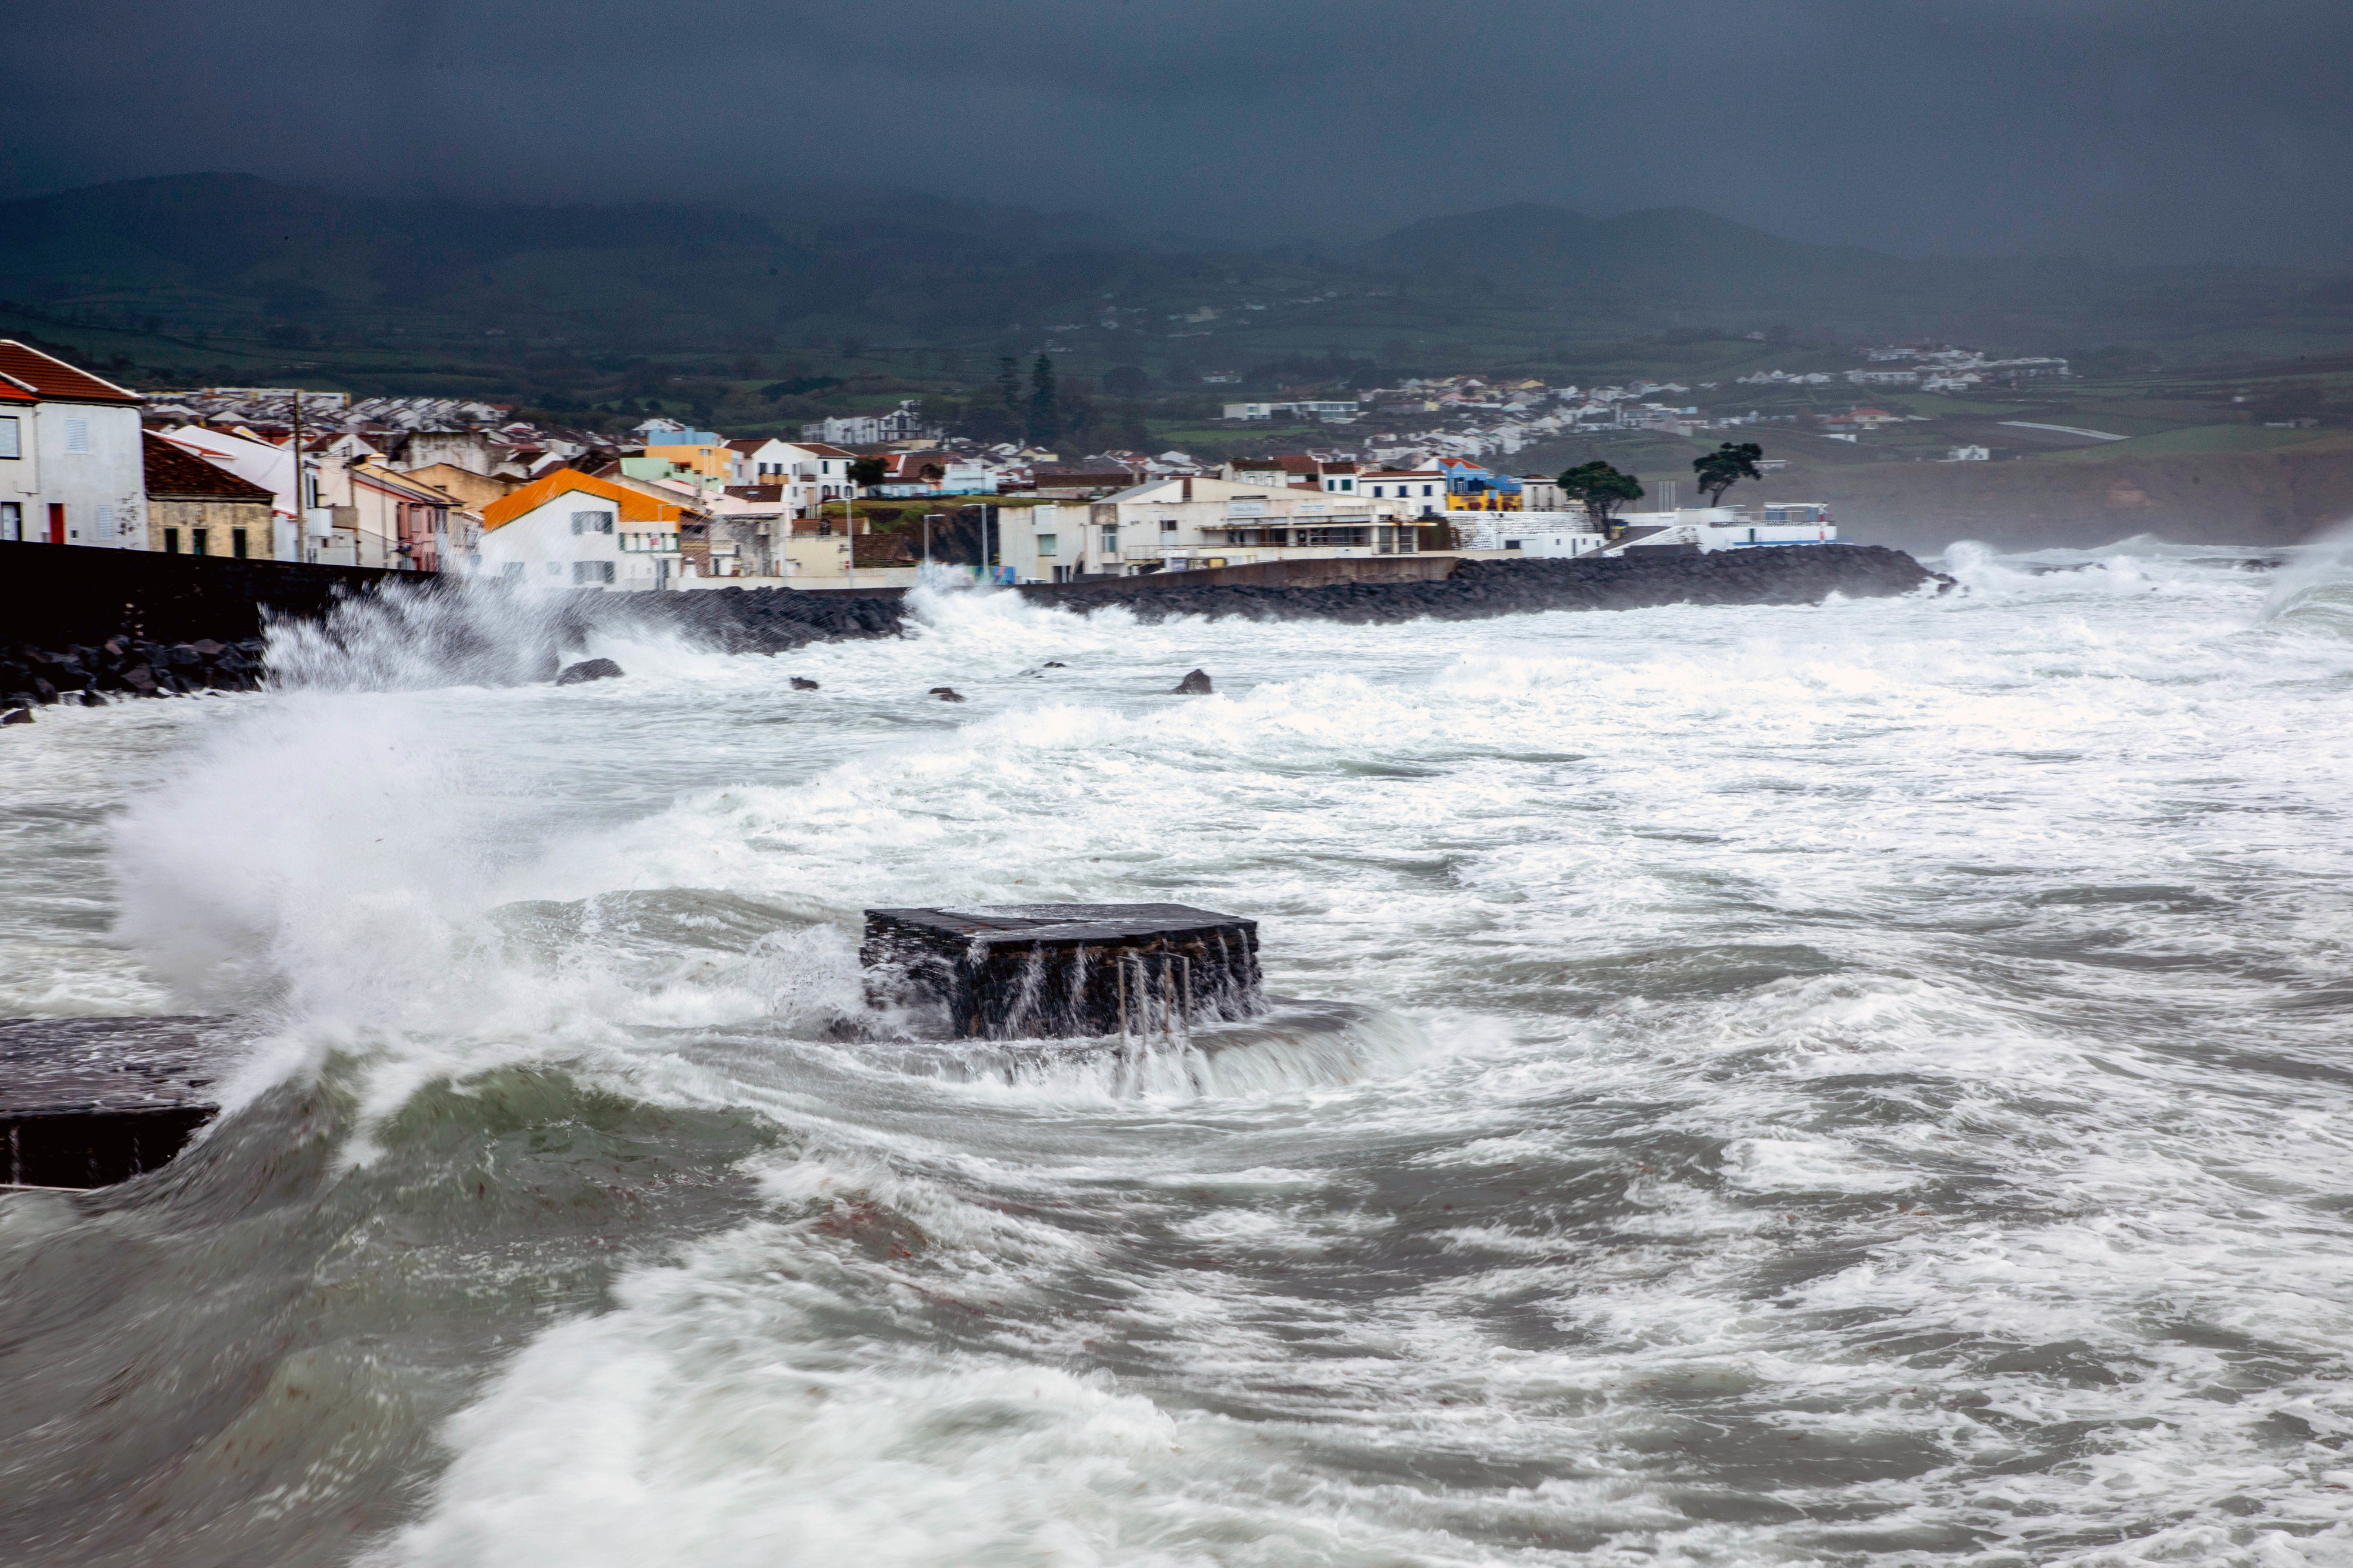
x=54, y=596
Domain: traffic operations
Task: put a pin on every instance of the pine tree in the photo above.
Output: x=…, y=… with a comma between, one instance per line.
x=1045, y=409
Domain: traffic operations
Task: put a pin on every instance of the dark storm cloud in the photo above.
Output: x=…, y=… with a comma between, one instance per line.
x=2125, y=127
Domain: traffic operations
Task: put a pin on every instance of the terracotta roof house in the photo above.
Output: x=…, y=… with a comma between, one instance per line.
x=198, y=508
x=72, y=470
x=572, y=530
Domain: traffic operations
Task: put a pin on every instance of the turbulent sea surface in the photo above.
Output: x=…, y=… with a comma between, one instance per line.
x=1863, y=1084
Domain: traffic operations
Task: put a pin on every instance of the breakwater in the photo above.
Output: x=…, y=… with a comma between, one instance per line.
x=770, y=620
x=54, y=598
x=89, y=624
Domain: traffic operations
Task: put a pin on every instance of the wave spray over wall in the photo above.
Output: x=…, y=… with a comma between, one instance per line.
x=1849, y=1083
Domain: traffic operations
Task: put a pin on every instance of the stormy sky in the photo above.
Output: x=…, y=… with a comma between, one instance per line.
x=2158, y=129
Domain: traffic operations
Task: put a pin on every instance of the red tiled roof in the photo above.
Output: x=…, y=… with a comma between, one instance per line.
x=48, y=376
x=174, y=473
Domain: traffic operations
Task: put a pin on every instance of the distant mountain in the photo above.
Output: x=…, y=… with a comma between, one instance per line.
x=213, y=260
x=1680, y=252
x=206, y=250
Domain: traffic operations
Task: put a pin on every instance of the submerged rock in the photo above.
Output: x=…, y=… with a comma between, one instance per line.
x=948, y=694
x=803, y=683
x=1194, y=685
x=588, y=670
x=16, y=716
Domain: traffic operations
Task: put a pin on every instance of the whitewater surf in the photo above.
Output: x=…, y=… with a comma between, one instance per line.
x=1857, y=1083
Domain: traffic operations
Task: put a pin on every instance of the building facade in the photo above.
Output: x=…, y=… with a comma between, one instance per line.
x=1184, y=523
x=571, y=530
x=196, y=508
x=72, y=467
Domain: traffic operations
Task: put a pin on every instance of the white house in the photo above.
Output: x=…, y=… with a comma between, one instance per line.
x=571, y=530
x=901, y=423
x=1421, y=490
x=72, y=470
x=1185, y=522
x=1330, y=411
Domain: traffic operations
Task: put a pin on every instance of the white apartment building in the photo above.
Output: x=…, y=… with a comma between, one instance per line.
x=1183, y=523
x=811, y=473
x=72, y=470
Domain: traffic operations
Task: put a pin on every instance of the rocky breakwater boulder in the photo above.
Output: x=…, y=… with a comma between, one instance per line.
x=125, y=666
x=1793, y=574
x=755, y=620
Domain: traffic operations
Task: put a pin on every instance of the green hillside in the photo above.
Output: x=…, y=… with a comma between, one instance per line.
x=823, y=302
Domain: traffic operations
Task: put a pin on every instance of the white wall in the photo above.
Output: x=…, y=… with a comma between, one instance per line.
x=103, y=489
x=540, y=550
x=1017, y=533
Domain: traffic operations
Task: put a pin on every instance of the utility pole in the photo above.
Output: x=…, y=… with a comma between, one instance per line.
x=850, y=524
x=296, y=443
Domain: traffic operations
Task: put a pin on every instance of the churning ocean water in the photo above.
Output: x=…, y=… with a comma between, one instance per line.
x=1860, y=1084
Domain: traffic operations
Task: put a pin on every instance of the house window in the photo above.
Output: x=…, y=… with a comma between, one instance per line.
x=106, y=522
x=591, y=522
x=196, y=539
x=236, y=542
x=514, y=571
x=592, y=571
x=1168, y=525
x=11, y=439
x=1111, y=538
x=170, y=541
x=556, y=568
x=78, y=437
x=12, y=521
x=1047, y=543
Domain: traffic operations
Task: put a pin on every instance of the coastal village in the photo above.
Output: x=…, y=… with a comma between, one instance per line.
x=436, y=485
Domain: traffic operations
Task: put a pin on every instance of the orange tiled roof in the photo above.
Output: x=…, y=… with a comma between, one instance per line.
x=635, y=506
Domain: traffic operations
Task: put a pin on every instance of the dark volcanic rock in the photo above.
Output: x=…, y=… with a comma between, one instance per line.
x=16, y=716
x=588, y=670
x=803, y=683
x=1194, y=685
x=948, y=694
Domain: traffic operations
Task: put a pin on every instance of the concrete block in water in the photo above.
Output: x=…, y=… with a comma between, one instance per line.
x=87, y=1102
x=1017, y=971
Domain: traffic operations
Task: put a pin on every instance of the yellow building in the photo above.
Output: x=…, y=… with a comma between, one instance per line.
x=698, y=452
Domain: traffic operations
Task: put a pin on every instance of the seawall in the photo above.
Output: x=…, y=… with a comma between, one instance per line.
x=773, y=619
x=90, y=625
x=58, y=596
